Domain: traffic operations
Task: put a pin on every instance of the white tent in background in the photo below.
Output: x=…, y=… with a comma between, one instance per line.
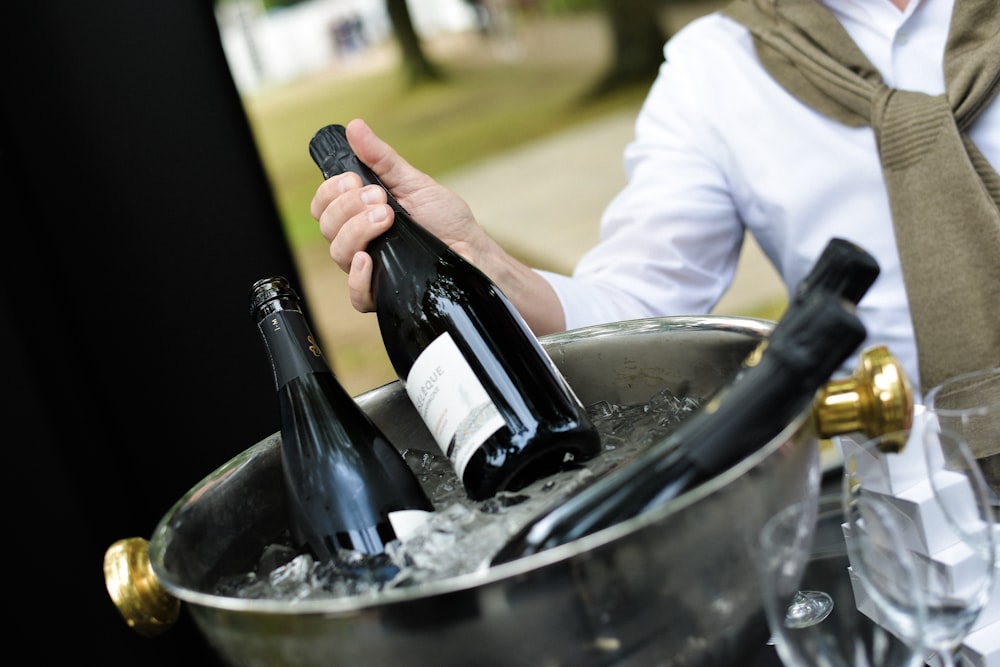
x=271, y=47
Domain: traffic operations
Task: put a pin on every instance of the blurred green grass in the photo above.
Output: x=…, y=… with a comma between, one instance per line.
x=484, y=106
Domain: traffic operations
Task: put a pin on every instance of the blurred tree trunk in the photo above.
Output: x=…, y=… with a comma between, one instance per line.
x=419, y=68
x=638, y=37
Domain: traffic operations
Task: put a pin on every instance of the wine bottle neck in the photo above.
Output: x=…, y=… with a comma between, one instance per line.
x=293, y=350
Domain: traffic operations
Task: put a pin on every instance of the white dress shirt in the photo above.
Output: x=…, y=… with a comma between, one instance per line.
x=721, y=148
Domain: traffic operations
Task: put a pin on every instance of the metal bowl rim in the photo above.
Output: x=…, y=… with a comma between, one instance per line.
x=754, y=327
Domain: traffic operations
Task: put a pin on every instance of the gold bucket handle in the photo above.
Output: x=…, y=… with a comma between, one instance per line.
x=135, y=589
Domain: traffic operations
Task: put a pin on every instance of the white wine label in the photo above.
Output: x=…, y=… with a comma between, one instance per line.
x=452, y=402
x=406, y=522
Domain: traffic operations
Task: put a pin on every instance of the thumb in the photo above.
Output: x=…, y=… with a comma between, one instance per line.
x=388, y=165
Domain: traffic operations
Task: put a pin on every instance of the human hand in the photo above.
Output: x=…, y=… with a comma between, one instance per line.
x=350, y=215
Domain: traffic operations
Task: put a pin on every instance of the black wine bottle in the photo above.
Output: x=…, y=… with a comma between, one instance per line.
x=346, y=485
x=747, y=413
x=488, y=392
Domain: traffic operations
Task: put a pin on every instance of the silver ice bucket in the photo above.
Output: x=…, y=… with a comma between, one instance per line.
x=676, y=586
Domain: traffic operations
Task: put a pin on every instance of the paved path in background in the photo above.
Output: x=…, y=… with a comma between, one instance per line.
x=563, y=183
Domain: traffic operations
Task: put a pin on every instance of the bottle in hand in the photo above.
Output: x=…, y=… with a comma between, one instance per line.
x=346, y=485
x=492, y=398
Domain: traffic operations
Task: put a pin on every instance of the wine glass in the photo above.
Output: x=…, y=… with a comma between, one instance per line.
x=803, y=548
x=959, y=487
x=807, y=607
x=969, y=405
x=955, y=569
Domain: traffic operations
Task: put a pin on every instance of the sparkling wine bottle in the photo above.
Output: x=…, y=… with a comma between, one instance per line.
x=811, y=341
x=488, y=392
x=346, y=485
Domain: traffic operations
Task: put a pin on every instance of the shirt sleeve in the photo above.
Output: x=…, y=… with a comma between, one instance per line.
x=671, y=239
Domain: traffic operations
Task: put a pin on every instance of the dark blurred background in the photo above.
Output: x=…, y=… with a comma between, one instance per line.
x=136, y=214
